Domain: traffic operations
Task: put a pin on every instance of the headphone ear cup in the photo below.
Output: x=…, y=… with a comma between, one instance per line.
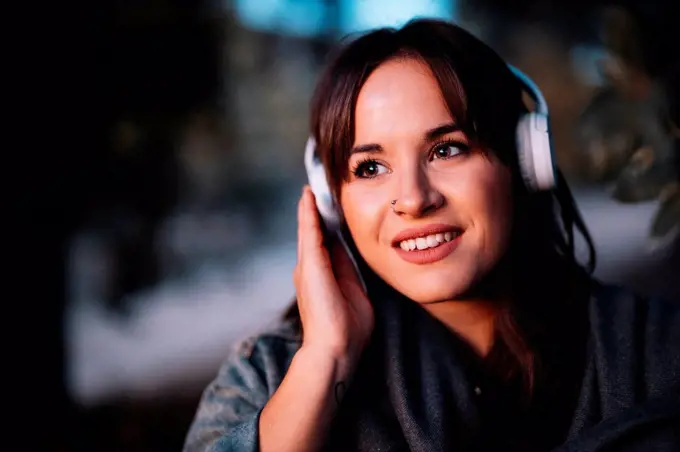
x=534, y=152
x=316, y=176
x=324, y=200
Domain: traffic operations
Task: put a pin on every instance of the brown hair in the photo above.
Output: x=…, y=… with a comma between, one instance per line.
x=485, y=99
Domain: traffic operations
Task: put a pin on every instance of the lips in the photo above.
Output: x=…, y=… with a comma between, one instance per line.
x=427, y=244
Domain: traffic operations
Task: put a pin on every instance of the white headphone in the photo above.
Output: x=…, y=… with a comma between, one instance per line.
x=534, y=145
x=534, y=148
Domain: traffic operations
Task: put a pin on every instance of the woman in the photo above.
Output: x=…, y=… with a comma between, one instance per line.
x=479, y=330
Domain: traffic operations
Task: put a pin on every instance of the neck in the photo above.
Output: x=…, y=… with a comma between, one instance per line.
x=472, y=315
x=472, y=320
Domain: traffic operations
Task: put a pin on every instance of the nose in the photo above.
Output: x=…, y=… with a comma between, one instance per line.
x=415, y=195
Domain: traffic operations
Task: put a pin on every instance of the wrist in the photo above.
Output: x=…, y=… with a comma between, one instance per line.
x=345, y=348
x=337, y=363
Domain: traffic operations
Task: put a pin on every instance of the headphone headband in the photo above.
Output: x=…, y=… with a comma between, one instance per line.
x=531, y=89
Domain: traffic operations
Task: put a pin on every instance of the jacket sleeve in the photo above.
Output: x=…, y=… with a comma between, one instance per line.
x=229, y=410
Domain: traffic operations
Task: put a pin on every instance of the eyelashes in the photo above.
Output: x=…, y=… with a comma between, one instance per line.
x=458, y=146
x=369, y=168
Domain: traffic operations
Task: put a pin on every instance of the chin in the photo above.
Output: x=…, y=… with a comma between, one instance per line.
x=434, y=287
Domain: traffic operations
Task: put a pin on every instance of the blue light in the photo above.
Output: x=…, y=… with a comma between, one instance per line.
x=362, y=15
x=312, y=17
x=290, y=17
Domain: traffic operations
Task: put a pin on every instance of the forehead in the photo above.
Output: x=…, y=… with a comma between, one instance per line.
x=400, y=99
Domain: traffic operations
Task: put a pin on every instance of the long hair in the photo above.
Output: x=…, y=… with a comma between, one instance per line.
x=485, y=99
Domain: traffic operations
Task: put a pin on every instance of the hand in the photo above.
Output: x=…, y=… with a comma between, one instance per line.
x=337, y=317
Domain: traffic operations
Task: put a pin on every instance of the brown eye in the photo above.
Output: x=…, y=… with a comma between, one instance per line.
x=448, y=150
x=369, y=169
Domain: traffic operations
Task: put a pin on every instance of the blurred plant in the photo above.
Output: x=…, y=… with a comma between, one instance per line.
x=627, y=132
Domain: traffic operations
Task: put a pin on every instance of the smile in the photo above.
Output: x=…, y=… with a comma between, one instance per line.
x=430, y=241
x=428, y=244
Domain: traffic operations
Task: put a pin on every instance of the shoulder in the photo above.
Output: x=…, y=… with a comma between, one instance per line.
x=265, y=355
x=636, y=336
x=618, y=306
x=252, y=371
x=282, y=333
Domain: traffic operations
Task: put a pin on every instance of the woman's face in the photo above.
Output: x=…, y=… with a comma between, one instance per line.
x=430, y=212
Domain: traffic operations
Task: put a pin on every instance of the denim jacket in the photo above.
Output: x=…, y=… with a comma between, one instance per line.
x=229, y=410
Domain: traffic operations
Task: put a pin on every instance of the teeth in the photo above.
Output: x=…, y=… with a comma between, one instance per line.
x=431, y=241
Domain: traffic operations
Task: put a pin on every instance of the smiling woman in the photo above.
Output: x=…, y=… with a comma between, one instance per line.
x=478, y=328
x=443, y=181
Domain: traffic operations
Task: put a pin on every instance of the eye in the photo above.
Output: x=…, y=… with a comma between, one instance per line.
x=368, y=169
x=447, y=150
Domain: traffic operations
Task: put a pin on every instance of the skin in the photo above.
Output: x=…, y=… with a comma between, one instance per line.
x=445, y=181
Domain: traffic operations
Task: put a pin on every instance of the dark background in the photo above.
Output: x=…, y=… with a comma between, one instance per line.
x=129, y=95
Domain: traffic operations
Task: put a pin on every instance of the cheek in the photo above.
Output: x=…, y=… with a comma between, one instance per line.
x=485, y=197
x=364, y=209
x=495, y=212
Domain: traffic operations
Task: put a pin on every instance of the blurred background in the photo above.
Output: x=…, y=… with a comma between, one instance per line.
x=182, y=236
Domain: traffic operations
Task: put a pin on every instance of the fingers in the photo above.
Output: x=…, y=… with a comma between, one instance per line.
x=299, y=231
x=296, y=277
x=311, y=249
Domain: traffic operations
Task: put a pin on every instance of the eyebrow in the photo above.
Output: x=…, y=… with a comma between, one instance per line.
x=365, y=148
x=430, y=135
x=438, y=131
